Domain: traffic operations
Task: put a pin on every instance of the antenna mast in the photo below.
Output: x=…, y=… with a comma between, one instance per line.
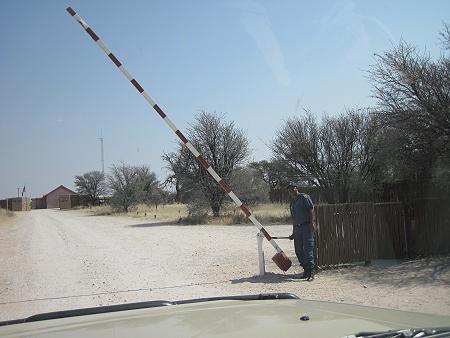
x=103, y=159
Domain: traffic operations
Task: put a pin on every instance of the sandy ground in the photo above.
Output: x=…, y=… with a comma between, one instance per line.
x=53, y=260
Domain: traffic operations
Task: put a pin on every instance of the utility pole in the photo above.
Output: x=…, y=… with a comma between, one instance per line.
x=103, y=159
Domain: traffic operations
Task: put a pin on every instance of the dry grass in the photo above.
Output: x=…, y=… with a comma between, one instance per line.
x=272, y=213
x=269, y=213
x=165, y=212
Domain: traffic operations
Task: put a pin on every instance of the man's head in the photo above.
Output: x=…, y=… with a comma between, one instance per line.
x=292, y=190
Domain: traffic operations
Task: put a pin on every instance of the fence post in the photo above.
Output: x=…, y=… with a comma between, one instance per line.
x=317, y=236
x=404, y=230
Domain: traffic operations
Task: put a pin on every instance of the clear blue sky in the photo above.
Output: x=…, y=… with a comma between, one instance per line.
x=256, y=61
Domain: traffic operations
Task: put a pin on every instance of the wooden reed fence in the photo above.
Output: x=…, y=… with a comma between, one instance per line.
x=359, y=232
x=389, y=231
x=430, y=227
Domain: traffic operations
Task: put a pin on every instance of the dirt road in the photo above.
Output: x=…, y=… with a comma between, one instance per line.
x=52, y=260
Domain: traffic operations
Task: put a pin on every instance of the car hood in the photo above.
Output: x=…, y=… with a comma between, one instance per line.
x=230, y=318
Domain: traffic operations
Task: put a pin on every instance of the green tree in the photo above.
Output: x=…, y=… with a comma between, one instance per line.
x=224, y=147
x=248, y=186
x=276, y=174
x=91, y=184
x=334, y=154
x=131, y=185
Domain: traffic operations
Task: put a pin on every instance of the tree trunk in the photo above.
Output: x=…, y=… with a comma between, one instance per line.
x=215, y=207
x=178, y=192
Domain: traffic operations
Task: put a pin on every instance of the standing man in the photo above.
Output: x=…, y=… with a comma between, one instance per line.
x=303, y=218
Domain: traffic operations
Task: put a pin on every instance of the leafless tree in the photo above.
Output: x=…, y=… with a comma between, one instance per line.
x=412, y=91
x=91, y=184
x=413, y=97
x=333, y=154
x=445, y=36
x=222, y=144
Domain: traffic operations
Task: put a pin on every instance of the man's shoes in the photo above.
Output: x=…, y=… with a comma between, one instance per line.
x=304, y=275
x=308, y=275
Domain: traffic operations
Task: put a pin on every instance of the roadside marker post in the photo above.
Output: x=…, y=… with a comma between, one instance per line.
x=261, y=263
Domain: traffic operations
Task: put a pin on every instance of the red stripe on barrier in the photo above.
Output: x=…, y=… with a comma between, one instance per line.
x=245, y=209
x=159, y=110
x=181, y=136
x=114, y=59
x=92, y=34
x=71, y=11
x=137, y=85
x=202, y=161
x=224, y=186
x=266, y=234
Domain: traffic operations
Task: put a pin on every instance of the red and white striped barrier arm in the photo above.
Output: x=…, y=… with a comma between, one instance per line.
x=194, y=151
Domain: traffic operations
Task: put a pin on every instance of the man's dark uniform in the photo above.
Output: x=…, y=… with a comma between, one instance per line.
x=303, y=235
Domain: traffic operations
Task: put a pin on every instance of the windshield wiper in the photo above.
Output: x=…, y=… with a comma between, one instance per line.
x=261, y=296
x=407, y=333
x=87, y=311
x=141, y=305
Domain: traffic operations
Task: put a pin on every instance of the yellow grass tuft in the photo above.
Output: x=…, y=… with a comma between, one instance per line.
x=164, y=212
x=275, y=211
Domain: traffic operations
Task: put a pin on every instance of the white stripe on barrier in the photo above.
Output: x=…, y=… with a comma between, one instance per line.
x=275, y=245
x=148, y=98
x=192, y=149
x=81, y=21
x=214, y=174
x=170, y=123
x=103, y=46
x=125, y=72
x=235, y=198
x=255, y=221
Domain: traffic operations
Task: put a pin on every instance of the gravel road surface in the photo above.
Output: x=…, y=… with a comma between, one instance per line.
x=53, y=260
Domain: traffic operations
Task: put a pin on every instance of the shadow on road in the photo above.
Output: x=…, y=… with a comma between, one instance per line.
x=149, y=225
x=428, y=271
x=268, y=278
x=103, y=213
x=400, y=274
